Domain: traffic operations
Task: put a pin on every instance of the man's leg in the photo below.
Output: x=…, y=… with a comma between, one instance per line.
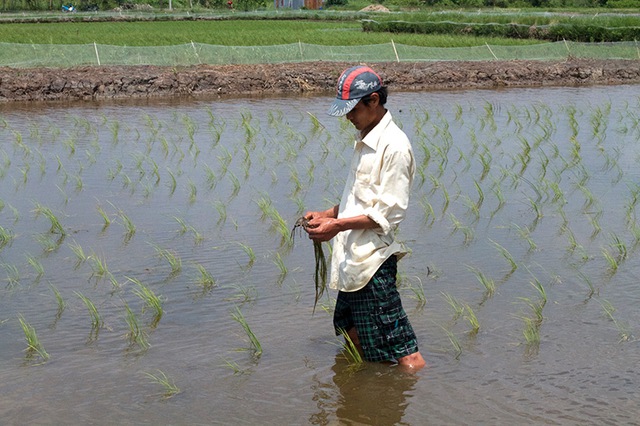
x=353, y=335
x=415, y=361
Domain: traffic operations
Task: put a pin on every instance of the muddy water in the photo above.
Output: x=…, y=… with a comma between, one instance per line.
x=533, y=189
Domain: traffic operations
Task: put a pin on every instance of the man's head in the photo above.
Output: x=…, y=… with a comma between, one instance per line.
x=355, y=84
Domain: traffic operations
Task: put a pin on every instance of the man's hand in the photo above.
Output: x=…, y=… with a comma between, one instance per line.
x=329, y=213
x=322, y=228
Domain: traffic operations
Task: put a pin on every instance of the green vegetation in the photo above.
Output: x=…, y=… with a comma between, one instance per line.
x=226, y=33
x=168, y=385
x=33, y=342
x=554, y=27
x=256, y=347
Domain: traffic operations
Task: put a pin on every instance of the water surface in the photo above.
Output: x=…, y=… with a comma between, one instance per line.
x=534, y=189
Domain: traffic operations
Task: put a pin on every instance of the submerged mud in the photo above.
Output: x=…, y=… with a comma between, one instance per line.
x=117, y=82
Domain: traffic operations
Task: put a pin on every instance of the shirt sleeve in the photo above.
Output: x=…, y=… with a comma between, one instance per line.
x=392, y=189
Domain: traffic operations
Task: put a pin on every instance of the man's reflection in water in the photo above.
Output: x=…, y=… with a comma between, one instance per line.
x=376, y=394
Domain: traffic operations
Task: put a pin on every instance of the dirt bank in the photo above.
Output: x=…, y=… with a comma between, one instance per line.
x=44, y=84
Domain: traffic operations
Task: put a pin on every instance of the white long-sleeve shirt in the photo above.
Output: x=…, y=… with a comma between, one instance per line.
x=378, y=186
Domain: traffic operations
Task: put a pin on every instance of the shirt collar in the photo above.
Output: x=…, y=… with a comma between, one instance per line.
x=373, y=137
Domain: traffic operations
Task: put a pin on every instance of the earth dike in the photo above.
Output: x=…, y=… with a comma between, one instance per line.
x=119, y=82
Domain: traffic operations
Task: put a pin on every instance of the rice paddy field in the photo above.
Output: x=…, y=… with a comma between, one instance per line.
x=149, y=276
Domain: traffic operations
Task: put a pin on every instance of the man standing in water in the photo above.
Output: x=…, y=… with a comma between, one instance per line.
x=374, y=201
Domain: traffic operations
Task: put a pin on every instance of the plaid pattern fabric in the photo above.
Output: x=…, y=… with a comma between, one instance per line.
x=376, y=312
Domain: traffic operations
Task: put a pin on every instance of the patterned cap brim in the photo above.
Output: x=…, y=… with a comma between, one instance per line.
x=341, y=107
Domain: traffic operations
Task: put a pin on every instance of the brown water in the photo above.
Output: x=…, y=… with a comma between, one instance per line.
x=543, y=178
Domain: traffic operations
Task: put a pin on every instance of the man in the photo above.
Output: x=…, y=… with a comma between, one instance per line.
x=374, y=201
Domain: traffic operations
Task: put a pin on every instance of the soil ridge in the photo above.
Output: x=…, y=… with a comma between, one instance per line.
x=117, y=82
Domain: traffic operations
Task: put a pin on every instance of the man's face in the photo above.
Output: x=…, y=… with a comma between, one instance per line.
x=363, y=116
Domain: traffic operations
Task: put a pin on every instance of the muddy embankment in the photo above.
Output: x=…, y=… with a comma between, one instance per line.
x=117, y=82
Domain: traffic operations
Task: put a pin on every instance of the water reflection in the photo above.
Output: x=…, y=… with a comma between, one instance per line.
x=377, y=394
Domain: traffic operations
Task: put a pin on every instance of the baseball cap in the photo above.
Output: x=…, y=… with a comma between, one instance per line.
x=354, y=84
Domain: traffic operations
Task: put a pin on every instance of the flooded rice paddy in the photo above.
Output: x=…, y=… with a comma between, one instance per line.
x=148, y=275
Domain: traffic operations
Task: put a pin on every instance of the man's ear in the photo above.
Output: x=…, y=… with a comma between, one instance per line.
x=374, y=99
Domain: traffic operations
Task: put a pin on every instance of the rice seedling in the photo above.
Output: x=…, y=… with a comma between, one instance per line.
x=282, y=267
x=525, y=233
x=351, y=352
x=265, y=205
x=456, y=306
x=249, y=252
x=612, y=260
x=129, y=226
x=458, y=226
x=211, y=177
x=6, y=237
x=454, y=342
x=236, y=185
x=623, y=330
x=61, y=302
x=221, y=208
x=417, y=293
x=224, y=160
x=174, y=261
x=173, y=183
x=135, y=335
x=320, y=277
x=587, y=280
x=537, y=208
x=79, y=183
x=150, y=299
x=36, y=265
x=619, y=247
x=56, y=226
x=205, y=278
x=541, y=292
x=105, y=218
x=233, y=366
x=114, y=126
x=505, y=253
x=198, y=238
x=193, y=192
x=183, y=225
x=76, y=248
x=473, y=208
x=96, y=320
x=243, y=295
x=594, y=220
x=279, y=225
x=536, y=306
x=12, y=274
x=113, y=173
x=487, y=283
x=253, y=340
x=429, y=213
x=48, y=243
x=590, y=198
x=472, y=318
x=98, y=265
x=33, y=342
x=168, y=385
x=531, y=331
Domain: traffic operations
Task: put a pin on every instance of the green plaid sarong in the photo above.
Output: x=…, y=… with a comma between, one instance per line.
x=376, y=312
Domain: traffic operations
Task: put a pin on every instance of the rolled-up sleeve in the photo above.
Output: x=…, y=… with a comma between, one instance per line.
x=392, y=188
